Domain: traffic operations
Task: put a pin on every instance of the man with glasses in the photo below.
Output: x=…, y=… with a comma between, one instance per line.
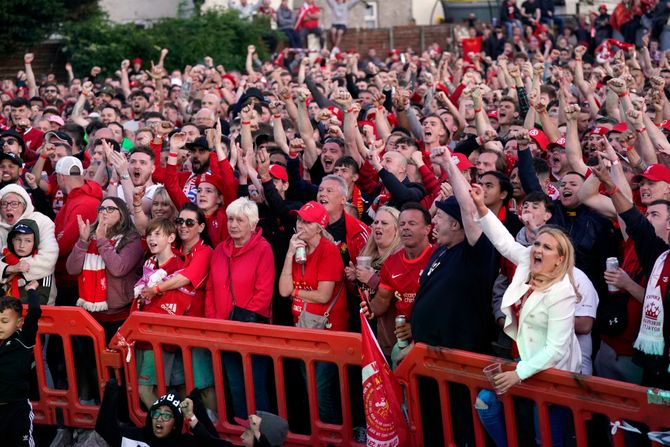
x=50, y=95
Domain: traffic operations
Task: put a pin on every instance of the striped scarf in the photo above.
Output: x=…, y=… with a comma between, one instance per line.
x=93, y=279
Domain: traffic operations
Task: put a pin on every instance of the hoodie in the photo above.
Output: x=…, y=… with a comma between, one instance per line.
x=251, y=272
x=41, y=264
x=82, y=201
x=45, y=284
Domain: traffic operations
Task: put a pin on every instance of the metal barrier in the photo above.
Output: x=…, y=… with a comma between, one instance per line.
x=583, y=395
x=247, y=339
x=66, y=323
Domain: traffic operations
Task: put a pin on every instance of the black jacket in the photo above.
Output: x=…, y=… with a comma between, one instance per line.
x=16, y=355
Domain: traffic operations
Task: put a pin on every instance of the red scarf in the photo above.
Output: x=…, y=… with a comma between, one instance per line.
x=13, y=281
x=93, y=279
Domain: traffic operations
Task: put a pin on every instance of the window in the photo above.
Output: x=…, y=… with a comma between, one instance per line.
x=370, y=17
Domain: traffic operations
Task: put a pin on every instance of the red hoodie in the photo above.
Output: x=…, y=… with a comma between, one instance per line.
x=253, y=273
x=82, y=201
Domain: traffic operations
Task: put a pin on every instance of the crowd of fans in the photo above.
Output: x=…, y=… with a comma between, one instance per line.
x=476, y=188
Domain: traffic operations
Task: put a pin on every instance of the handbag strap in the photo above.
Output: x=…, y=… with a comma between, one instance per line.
x=332, y=302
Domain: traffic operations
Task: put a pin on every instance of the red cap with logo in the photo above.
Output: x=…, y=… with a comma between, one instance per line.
x=462, y=162
x=558, y=143
x=599, y=130
x=539, y=137
x=621, y=127
x=493, y=114
x=656, y=173
x=212, y=179
x=279, y=172
x=313, y=212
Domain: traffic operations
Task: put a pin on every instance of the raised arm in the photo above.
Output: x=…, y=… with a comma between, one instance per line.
x=30, y=76
x=306, y=131
x=573, y=148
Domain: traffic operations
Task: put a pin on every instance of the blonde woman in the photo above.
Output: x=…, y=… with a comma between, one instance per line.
x=539, y=305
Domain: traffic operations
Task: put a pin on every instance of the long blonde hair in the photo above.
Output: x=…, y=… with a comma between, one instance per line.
x=567, y=251
x=372, y=249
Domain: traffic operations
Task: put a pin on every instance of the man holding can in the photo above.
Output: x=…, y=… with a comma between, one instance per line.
x=399, y=276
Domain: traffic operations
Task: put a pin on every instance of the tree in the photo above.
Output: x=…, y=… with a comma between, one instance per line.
x=25, y=23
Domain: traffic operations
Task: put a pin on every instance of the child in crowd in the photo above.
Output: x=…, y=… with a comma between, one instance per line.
x=161, y=234
x=17, y=340
x=22, y=242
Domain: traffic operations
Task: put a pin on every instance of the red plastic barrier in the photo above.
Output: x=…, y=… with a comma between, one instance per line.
x=276, y=342
x=583, y=395
x=69, y=322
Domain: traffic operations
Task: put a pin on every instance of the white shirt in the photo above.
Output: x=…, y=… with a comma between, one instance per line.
x=585, y=308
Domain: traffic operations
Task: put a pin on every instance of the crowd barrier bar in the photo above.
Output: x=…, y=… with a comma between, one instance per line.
x=583, y=395
x=247, y=339
x=67, y=323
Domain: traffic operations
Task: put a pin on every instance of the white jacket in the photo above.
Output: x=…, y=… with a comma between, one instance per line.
x=545, y=333
x=43, y=263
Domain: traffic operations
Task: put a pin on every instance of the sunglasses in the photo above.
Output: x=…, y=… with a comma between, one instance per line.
x=179, y=221
x=50, y=91
x=107, y=209
x=167, y=416
x=10, y=140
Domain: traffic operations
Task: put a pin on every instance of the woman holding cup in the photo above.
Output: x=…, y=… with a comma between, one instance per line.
x=539, y=307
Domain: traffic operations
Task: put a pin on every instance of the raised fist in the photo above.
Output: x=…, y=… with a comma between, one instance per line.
x=28, y=58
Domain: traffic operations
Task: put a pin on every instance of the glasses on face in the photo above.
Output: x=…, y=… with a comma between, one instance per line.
x=107, y=209
x=50, y=90
x=179, y=221
x=167, y=416
x=13, y=204
x=10, y=141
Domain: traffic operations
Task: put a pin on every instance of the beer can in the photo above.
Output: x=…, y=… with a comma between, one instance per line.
x=399, y=321
x=301, y=255
x=612, y=264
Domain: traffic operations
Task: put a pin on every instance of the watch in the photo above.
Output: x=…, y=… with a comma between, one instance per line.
x=124, y=176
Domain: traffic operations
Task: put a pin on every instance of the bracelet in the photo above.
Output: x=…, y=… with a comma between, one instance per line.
x=621, y=95
x=643, y=130
x=611, y=193
x=172, y=154
x=350, y=110
x=479, y=140
x=43, y=157
x=478, y=110
x=86, y=94
x=246, y=123
x=276, y=116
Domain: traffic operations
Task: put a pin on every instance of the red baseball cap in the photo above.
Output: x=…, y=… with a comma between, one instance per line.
x=599, y=130
x=337, y=112
x=665, y=125
x=621, y=127
x=560, y=143
x=313, y=212
x=279, y=172
x=656, y=173
x=462, y=162
x=539, y=137
x=493, y=114
x=212, y=179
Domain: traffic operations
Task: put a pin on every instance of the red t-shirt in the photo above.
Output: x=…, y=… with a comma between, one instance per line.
x=172, y=302
x=401, y=276
x=324, y=264
x=196, y=269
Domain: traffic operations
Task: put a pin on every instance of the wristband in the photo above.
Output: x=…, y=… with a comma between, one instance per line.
x=43, y=157
x=643, y=130
x=276, y=116
x=246, y=123
x=621, y=95
x=173, y=154
x=630, y=149
x=158, y=290
x=86, y=94
x=479, y=140
x=350, y=110
x=614, y=191
x=478, y=110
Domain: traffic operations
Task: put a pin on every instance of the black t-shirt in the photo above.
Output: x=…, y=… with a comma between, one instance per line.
x=453, y=305
x=339, y=232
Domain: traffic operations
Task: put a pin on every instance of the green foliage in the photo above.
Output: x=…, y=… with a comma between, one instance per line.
x=219, y=34
x=27, y=22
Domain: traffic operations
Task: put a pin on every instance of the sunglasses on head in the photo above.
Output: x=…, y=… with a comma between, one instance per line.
x=179, y=221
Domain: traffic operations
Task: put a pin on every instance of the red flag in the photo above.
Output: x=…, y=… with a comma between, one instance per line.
x=386, y=425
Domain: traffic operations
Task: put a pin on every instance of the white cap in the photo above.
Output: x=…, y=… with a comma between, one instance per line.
x=69, y=166
x=176, y=81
